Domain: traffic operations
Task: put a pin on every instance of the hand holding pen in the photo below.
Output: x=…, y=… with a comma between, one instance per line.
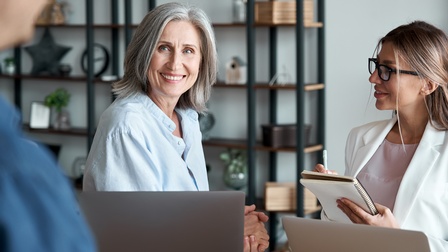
x=324, y=168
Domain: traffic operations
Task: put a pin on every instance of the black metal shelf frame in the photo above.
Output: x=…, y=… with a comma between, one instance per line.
x=300, y=109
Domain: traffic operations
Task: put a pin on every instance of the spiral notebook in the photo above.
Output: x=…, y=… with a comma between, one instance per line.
x=330, y=187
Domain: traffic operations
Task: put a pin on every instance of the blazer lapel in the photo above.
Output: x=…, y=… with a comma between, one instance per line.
x=422, y=162
x=372, y=140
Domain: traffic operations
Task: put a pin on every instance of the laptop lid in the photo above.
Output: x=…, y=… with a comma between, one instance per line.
x=317, y=235
x=165, y=221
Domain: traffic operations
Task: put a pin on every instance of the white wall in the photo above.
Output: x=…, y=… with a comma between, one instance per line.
x=353, y=28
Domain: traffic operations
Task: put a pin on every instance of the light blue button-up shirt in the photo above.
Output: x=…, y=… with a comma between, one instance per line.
x=134, y=149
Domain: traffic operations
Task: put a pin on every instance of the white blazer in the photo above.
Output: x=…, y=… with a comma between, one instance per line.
x=422, y=198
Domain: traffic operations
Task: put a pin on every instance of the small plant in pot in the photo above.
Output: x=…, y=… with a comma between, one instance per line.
x=58, y=100
x=9, y=66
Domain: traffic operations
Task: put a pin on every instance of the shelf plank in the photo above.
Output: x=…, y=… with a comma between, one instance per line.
x=308, y=149
x=227, y=143
x=224, y=85
x=216, y=25
x=228, y=25
x=313, y=25
x=313, y=87
x=289, y=86
x=306, y=25
x=73, y=78
x=74, y=131
x=242, y=144
x=83, y=26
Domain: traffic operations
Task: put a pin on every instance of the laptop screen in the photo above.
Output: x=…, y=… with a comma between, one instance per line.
x=318, y=235
x=165, y=221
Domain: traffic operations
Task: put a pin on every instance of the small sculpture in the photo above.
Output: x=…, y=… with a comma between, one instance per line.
x=236, y=71
x=52, y=14
x=206, y=123
x=46, y=55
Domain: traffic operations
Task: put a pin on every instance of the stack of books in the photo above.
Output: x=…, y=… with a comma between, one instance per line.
x=281, y=196
x=283, y=12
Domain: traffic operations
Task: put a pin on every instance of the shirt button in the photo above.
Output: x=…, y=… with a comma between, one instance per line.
x=178, y=143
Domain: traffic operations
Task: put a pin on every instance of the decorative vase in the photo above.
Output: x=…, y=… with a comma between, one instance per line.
x=239, y=11
x=62, y=120
x=235, y=176
x=64, y=69
x=206, y=123
x=10, y=68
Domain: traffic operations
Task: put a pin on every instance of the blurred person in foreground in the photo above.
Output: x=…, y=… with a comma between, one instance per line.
x=38, y=208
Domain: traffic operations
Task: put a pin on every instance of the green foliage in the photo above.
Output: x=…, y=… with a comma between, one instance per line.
x=8, y=60
x=58, y=99
x=236, y=159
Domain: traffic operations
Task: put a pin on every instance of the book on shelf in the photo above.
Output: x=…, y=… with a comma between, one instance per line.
x=330, y=187
x=281, y=196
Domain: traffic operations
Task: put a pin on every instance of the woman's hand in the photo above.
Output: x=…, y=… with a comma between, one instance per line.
x=356, y=214
x=320, y=168
x=254, y=226
x=250, y=244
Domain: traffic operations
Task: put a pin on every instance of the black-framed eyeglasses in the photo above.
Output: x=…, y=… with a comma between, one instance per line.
x=384, y=71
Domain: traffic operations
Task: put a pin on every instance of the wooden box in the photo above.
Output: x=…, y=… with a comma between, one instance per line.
x=282, y=12
x=281, y=196
x=283, y=135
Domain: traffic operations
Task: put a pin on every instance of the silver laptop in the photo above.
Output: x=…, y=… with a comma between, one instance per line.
x=317, y=235
x=165, y=221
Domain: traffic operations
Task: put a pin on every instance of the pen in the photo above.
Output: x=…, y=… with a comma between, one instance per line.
x=324, y=156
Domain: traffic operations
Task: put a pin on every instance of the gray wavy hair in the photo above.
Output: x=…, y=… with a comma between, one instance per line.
x=144, y=42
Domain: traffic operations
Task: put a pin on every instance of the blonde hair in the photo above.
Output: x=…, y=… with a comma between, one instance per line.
x=425, y=48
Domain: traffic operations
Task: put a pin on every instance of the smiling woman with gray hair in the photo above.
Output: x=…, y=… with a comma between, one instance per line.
x=149, y=138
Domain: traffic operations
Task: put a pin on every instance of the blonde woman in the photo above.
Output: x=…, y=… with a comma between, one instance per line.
x=403, y=162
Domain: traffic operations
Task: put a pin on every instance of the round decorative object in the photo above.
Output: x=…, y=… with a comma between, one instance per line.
x=65, y=69
x=78, y=167
x=10, y=69
x=100, y=60
x=206, y=123
x=235, y=177
x=235, y=174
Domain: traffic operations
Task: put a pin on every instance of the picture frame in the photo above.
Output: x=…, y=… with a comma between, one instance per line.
x=39, y=116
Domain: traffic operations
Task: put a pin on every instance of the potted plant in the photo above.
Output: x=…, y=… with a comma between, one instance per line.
x=57, y=100
x=9, y=64
x=235, y=174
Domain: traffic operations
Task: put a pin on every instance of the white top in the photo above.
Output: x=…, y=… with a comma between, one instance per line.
x=422, y=199
x=382, y=175
x=134, y=149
